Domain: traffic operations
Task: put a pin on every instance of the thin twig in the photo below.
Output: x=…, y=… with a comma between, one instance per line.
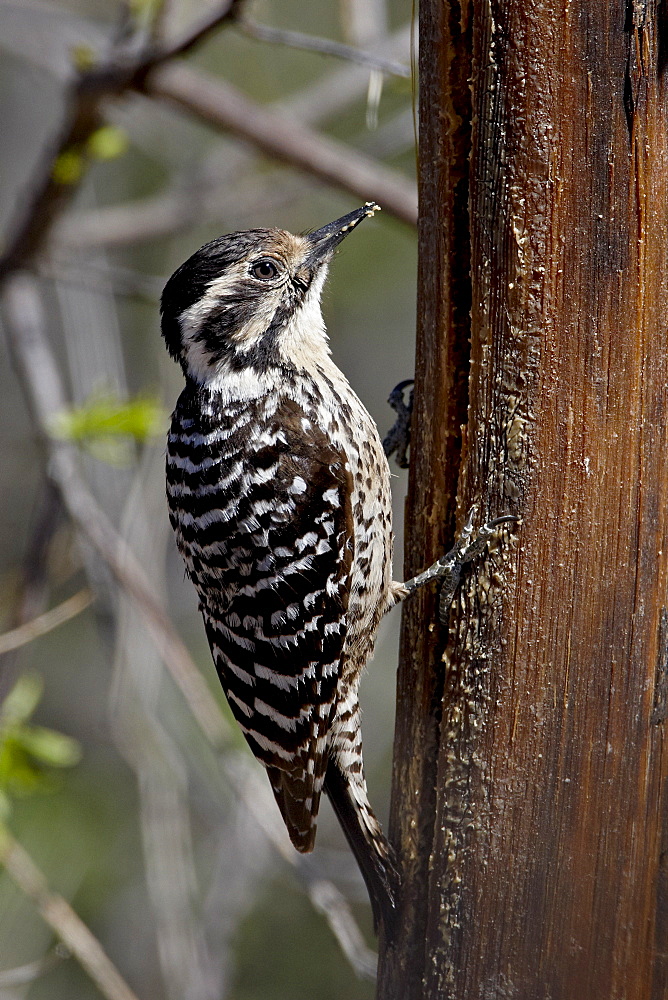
x=334, y=91
x=112, y=279
x=22, y=975
x=223, y=106
x=333, y=905
x=46, y=622
x=324, y=895
x=227, y=11
x=49, y=196
x=142, y=733
x=32, y=592
x=59, y=915
x=172, y=212
x=324, y=46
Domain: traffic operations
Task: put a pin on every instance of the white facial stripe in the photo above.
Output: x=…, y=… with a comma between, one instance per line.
x=191, y=320
x=303, y=341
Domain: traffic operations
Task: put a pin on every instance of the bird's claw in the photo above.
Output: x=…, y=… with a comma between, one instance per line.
x=398, y=437
x=466, y=548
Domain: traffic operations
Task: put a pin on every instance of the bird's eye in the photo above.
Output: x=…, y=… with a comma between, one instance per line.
x=264, y=269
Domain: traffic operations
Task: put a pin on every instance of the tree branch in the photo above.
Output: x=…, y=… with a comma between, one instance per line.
x=180, y=208
x=333, y=905
x=211, y=196
x=59, y=915
x=23, y=975
x=324, y=46
x=221, y=105
x=43, y=624
x=51, y=192
x=215, y=102
x=171, y=212
x=194, y=37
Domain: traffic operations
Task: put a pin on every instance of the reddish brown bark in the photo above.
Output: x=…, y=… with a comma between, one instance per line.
x=530, y=767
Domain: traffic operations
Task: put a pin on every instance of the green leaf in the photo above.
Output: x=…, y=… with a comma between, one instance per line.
x=21, y=701
x=49, y=746
x=104, y=416
x=68, y=167
x=20, y=774
x=83, y=57
x=108, y=143
x=29, y=753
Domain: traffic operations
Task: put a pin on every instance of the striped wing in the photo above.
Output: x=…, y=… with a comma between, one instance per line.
x=276, y=623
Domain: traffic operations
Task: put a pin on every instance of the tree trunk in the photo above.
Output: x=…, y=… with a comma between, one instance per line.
x=530, y=772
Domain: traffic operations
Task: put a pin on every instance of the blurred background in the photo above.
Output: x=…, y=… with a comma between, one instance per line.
x=164, y=839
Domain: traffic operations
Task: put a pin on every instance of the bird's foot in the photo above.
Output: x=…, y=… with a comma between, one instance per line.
x=448, y=569
x=398, y=438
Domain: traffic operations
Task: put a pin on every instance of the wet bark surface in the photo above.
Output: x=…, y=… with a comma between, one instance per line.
x=530, y=772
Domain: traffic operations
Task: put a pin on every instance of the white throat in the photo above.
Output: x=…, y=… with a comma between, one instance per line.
x=304, y=341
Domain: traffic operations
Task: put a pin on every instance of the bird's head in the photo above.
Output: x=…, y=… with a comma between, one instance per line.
x=252, y=300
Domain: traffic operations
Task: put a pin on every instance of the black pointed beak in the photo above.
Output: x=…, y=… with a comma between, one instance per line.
x=324, y=241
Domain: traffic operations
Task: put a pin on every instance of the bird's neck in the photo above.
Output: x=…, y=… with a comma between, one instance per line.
x=230, y=387
x=299, y=354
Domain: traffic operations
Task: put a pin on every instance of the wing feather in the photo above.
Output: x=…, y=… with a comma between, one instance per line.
x=276, y=615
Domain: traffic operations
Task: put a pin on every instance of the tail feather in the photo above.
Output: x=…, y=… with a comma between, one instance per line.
x=373, y=852
x=298, y=801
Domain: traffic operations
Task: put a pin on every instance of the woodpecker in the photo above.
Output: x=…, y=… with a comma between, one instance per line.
x=279, y=495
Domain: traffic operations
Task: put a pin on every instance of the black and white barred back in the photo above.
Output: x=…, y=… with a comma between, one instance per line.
x=279, y=495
